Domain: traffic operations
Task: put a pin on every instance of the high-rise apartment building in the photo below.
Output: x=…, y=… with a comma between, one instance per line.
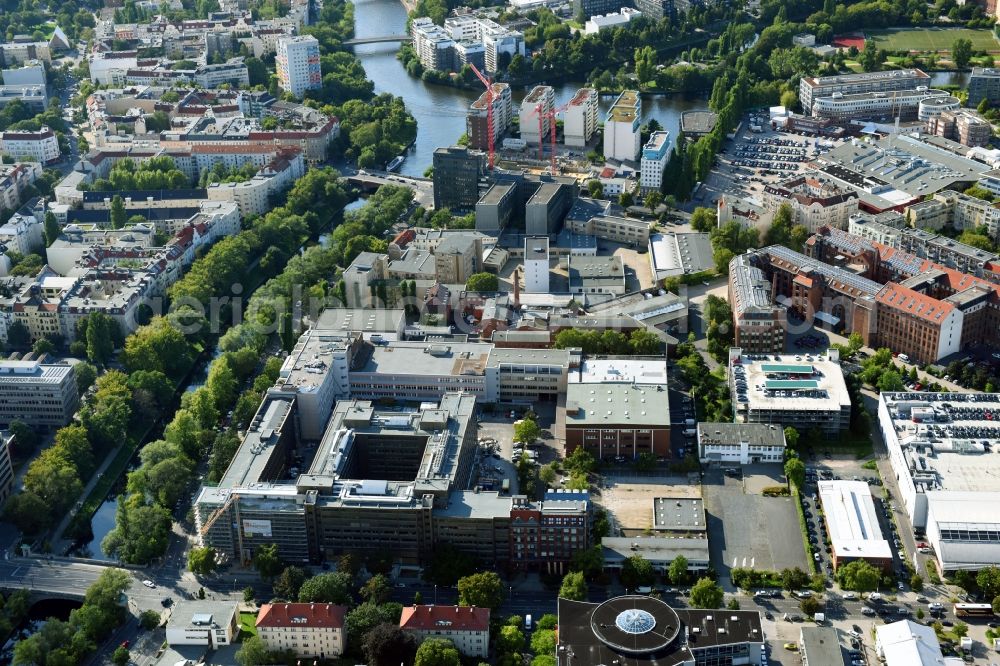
x=477, y=121
x=621, y=128
x=535, y=114
x=580, y=118
x=984, y=83
x=297, y=62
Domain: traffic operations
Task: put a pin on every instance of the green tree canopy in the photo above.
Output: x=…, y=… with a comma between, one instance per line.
x=706, y=594
x=483, y=282
x=484, y=590
x=574, y=586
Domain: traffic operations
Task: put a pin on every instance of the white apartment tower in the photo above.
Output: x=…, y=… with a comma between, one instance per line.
x=297, y=62
x=621, y=128
x=540, y=101
x=655, y=155
x=536, y=265
x=580, y=118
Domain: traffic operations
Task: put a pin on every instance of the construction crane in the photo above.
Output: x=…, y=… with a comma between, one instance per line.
x=551, y=115
x=232, y=500
x=489, y=113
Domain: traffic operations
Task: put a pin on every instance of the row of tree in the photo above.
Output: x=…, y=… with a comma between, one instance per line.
x=640, y=342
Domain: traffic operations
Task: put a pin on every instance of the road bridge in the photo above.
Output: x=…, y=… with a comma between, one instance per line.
x=369, y=181
x=385, y=39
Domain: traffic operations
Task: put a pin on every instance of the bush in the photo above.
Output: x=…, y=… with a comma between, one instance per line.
x=776, y=491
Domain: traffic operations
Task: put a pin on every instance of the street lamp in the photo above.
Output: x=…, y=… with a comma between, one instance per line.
x=435, y=594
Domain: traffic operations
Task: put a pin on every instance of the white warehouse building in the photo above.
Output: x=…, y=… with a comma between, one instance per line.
x=940, y=448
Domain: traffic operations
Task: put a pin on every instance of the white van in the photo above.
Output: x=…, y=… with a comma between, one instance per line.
x=527, y=621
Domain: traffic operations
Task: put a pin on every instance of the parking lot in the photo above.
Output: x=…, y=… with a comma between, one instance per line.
x=628, y=497
x=754, y=160
x=746, y=529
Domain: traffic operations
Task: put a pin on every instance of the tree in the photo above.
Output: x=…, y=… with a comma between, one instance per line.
x=267, y=561
x=653, y=200
x=595, y=189
x=120, y=656
x=706, y=594
x=794, y=579
x=961, y=52
x=996, y=605
x=890, y=381
x=645, y=343
x=483, y=282
x=678, y=571
x=795, y=472
x=289, y=582
x=988, y=580
x=588, y=561
x=388, y=645
x=253, y=652
x=543, y=641
x=810, y=606
x=791, y=438
x=511, y=639
x=859, y=576
x=871, y=58
x=636, y=572
x=52, y=229
x=201, y=560
x=329, y=588
x=574, y=587
x=484, y=590
x=917, y=582
x=527, y=431
x=960, y=629
x=149, y=619
x=703, y=219
x=100, y=338
x=118, y=214
x=625, y=199
x=437, y=652
x=789, y=99
x=375, y=589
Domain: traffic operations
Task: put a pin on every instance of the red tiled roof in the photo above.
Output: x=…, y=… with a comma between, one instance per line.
x=323, y=616
x=912, y=302
x=461, y=618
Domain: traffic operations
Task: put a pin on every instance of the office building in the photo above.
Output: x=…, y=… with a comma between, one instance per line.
x=816, y=201
x=42, y=395
x=696, y=124
x=908, y=643
x=626, y=230
x=805, y=393
x=476, y=120
x=589, y=8
x=655, y=155
x=596, y=23
x=211, y=624
x=457, y=171
x=758, y=324
x=545, y=535
x=297, y=62
x=621, y=127
x=311, y=631
x=852, y=524
x=545, y=210
x=813, y=87
x=580, y=118
x=457, y=257
x=638, y=630
x=596, y=275
x=657, y=10
x=965, y=126
x=941, y=450
x=536, y=116
x=926, y=327
x=536, y=265
x=820, y=646
x=41, y=146
x=468, y=627
x=496, y=209
x=659, y=551
x=902, y=104
x=984, y=83
x=933, y=107
x=740, y=443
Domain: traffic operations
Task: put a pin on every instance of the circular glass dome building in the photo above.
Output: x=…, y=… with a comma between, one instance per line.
x=635, y=624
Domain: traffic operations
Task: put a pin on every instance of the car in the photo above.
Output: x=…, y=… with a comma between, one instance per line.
x=850, y=596
x=924, y=551
x=166, y=602
x=125, y=644
x=768, y=615
x=794, y=647
x=706, y=283
x=148, y=583
x=869, y=612
x=803, y=594
x=854, y=633
x=947, y=623
x=921, y=599
x=900, y=586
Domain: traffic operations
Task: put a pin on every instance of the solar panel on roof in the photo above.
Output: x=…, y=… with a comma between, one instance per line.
x=780, y=384
x=787, y=368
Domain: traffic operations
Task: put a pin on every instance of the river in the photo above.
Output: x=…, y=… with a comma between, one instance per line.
x=440, y=110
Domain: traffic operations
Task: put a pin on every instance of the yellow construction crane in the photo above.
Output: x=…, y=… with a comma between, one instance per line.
x=232, y=500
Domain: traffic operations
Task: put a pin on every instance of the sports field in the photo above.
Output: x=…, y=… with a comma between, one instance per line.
x=932, y=39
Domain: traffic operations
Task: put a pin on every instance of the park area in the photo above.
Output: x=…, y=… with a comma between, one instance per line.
x=932, y=39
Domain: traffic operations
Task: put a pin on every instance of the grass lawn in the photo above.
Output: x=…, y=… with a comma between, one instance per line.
x=248, y=624
x=932, y=39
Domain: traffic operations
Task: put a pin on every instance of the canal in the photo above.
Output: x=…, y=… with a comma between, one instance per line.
x=440, y=110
